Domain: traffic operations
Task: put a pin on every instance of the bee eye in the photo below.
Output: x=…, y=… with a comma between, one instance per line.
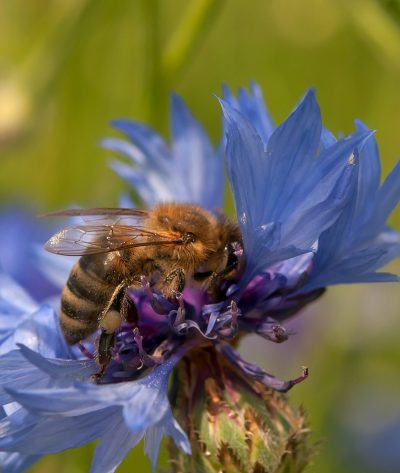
x=189, y=237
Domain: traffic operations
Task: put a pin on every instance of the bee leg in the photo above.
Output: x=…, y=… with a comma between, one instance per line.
x=110, y=321
x=115, y=299
x=216, y=277
x=174, y=282
x=123, y=303
x=127, y=307
x=103, y=356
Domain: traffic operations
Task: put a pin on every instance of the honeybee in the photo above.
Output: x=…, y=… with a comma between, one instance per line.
x=169, y=245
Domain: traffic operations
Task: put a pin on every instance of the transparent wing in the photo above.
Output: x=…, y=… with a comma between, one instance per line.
x=102, y=214
x=101, y=211
x=95, y=239
x=127, y=230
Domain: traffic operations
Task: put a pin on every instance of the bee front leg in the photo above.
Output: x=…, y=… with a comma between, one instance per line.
x=216, y=277
x=174, y=283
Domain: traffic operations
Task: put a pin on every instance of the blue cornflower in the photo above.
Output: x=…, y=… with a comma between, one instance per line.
x=310, y=212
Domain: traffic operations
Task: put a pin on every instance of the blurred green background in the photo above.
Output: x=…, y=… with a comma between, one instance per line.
x=69, y=66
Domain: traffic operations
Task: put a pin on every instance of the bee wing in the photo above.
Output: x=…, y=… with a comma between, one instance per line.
x=127, y=230
x=91, y=239
x=101, y=214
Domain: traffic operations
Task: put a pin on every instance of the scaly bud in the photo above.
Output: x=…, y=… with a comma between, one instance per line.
x=235, y=424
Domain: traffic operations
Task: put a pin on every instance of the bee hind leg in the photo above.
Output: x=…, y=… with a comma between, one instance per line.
x=127, y=307
x=103, y=355
x=109, y=321
x=115, y=299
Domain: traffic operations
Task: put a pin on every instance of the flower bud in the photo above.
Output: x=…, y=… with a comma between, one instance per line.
x=235, y=424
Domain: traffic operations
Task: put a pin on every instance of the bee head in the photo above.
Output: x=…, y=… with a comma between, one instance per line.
x=193, y=226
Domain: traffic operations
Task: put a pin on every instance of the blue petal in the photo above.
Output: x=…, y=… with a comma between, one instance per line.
x=247, y=169
x=14, y=301
x=152, y=443
x=152, y=160
x=327, y=139
x=312, y=192
x=17, y=260
x=14, y=426
x=151, y=186
x=356, y=267
x=147, y=140
x=140, y=411
x=174, y=430
x=125, y=201
x=60, y=368
x=160, y=174
x=64, y=401
x=323, y=214
x=193, y=155
x=294, y=268
x=16, y=372
x=113, y=447
x=24, y=369
x=55, y=433
x=263, y=185
x=137, y=398
x=359, y=243
x=41, y=332
x=251, y=105
x=291, y=151
x=16, y=462
x=324, y=173
x=387, y=198
x=154, y=435
x=60, y=418
x=55, y=268
x=127, y=149
x=370, y=171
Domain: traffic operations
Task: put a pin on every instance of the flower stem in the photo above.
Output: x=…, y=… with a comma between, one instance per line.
x=154, y=86
x=193, y=27
x=163, y=65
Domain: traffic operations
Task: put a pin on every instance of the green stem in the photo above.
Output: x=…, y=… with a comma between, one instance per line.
x=62, y=39
x=378, y=27
x=163, y=65
x=41, y=65
x=154, y=88
x=192, y=29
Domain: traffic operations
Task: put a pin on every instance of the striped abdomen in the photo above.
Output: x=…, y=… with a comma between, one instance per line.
x=86, y=293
